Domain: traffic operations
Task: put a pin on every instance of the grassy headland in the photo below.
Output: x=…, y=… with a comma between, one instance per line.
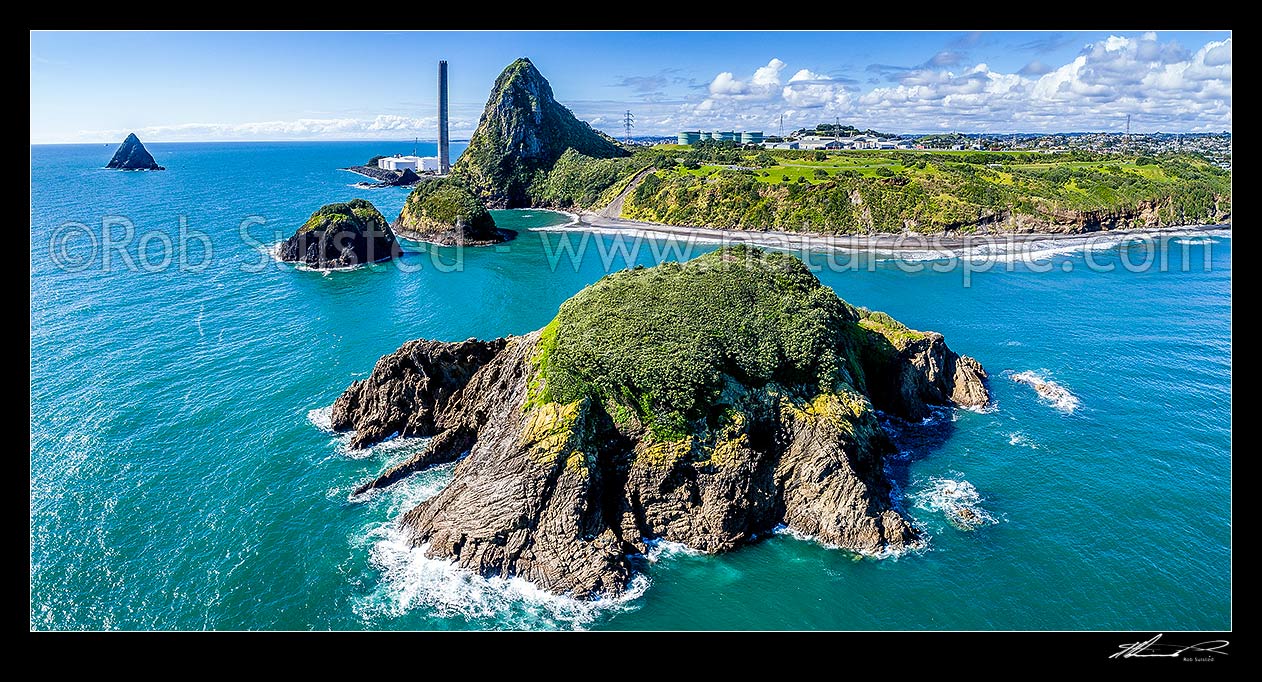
x=859, y=192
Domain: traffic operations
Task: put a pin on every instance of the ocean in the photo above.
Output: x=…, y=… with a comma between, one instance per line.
x=182, y=476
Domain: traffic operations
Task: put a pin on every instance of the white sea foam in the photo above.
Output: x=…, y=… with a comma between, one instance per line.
x=1049, y=391
x=634, y=233
x=957, y=500
x=1191, y=240
x=1019, y=439
x=440, y=588
x=411, y=582
x=883, y=553
x=665, y=549
x=392, y=446
x=321, y=417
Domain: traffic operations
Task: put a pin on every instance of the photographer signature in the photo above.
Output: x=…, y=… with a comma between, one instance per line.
x=1153, y=649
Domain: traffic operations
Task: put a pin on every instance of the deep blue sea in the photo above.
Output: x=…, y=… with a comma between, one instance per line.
x=181, y=479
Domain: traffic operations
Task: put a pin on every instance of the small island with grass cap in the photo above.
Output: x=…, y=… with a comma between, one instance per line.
x=705, y=403
x=341, y=235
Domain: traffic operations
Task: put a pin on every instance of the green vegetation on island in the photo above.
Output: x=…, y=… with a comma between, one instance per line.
x=357, y=214
x=445, y=211
x=341, y=235
x=704, y=403
x=659, y=345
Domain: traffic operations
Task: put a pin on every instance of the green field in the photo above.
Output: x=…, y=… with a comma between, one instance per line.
x=862, y=191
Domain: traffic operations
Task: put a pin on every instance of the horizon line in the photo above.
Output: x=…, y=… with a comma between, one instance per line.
x=663, y=135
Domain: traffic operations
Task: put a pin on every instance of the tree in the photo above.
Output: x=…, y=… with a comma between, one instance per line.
x=820, y=173
x=765, y=160
x=885, y=172
x=820, y=156
x=373, y=161
x=801, y=178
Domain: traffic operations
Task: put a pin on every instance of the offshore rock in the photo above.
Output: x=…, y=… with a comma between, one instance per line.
x=704, y=403
x=132, y=155
x=341, y=236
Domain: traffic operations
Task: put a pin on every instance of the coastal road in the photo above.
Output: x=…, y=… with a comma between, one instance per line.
x=614, y=209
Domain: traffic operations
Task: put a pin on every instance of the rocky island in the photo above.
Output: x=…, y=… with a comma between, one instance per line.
x=444, y=211
x=522, y=133
x=132, y=155
x=704, y=403
x=341, y=236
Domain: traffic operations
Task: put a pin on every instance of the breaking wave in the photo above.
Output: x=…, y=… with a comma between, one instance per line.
x=410, y=582
x=1049, y=391
x=1019, y=439
x=957, y=500
x=393, y=446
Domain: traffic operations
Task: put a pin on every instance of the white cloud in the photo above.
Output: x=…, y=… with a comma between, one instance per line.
x=761, y=86
x=302, y=128
x=1160, y=84
x=807, y=89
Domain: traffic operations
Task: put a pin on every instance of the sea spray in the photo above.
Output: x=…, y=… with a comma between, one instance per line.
x=957, y=500
x=1049, y=391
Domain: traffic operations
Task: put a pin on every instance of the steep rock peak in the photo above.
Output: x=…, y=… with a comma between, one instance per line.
x=522, y=132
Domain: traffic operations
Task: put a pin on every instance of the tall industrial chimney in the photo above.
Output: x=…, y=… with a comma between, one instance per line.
x=444, y=147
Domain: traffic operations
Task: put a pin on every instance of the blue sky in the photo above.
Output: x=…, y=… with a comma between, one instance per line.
x=171, y=86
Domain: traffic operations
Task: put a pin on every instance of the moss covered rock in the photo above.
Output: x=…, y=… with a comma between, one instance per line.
x=341, y=236
x=704, y=403
x=444, y=211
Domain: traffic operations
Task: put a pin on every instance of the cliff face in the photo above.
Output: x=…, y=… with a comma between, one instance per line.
x=132, y=155
x=522, y=132
x=340, y=236
x=1144, y=214
x=444, y=211
x=704, y=403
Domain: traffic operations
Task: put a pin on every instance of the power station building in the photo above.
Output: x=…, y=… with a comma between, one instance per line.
x=418, y=164
x=691, y=137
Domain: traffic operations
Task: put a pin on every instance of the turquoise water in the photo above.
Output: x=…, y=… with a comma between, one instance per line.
x=180, y=479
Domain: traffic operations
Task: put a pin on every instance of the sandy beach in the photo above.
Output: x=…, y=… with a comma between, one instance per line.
x=595, y=222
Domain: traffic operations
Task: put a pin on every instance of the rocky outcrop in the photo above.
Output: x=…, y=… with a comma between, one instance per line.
x=907, y=370
x=444, y=211
x=132, y=155
x=705, y=403
x=406, y=178
x=403, y=394
x=521, y=134
x=341, y=236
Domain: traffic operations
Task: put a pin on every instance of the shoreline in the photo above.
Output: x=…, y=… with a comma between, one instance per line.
x=587, y=221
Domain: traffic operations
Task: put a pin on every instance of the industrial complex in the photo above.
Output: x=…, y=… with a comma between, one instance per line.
x=695, y=136
x=441, y=164
x=691, y=137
